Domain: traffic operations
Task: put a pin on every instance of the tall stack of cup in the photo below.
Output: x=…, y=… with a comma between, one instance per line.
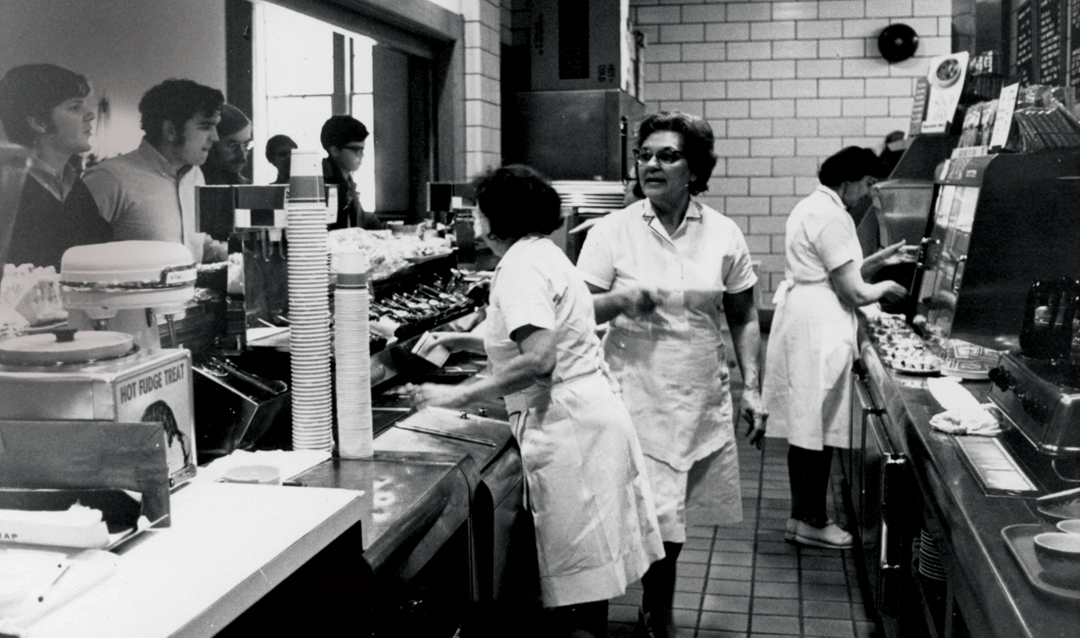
x=309, y=311
x=352, y=362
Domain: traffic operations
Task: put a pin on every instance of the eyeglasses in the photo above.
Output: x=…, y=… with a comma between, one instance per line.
x=357, y=150
x=666, y=156
x=238, y=147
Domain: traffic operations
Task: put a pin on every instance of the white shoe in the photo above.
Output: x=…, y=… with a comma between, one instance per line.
x=829, y=537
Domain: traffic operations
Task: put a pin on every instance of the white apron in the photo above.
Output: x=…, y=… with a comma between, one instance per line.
x=586, y=487
x=807, y=387
x=677, y=389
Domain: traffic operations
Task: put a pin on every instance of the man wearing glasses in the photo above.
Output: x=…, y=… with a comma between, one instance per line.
x=228, y=156
x=344, y=139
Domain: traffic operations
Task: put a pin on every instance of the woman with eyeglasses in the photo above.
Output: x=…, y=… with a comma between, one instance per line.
x=228, y=156
x=812, y=344
x=666, y=271
x=585, y=484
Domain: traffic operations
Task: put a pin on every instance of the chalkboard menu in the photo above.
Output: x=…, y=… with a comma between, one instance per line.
x=1050, y=42
x=1074, y=39
x=1024, y=57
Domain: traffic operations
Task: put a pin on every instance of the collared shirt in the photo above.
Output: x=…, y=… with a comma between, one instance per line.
x=819, y=237
x=694, y=267
x=57, y=184
x=145, y=197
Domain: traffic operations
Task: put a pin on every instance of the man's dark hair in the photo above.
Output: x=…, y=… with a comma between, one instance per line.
x=340, y=130
x=34, y=90
x=176, y=101
x=849, y=165
x=278, y=142
x=518, y=200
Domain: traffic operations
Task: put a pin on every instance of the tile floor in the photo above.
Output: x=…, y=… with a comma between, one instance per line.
x=744, y=581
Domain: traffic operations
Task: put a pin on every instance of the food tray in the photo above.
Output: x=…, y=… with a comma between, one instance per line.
x=1061, y=511
x=1019, y=540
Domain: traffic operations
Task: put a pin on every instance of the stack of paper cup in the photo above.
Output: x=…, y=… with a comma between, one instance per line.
x=306, y=178
x=352, y=361
x=309, y=321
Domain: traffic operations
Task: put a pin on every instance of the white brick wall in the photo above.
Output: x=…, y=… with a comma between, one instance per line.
x=784, y=85
x=487, y=23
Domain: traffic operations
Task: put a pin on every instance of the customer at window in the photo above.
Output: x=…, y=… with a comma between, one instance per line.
x=228, y=156
x=812, y=345
x=344, y=139
x=149, y=193
x=585, y=482
x=665, y=271
x=279, y=150
x=47, y=108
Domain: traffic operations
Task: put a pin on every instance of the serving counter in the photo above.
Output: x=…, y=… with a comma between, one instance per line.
x=984, y=581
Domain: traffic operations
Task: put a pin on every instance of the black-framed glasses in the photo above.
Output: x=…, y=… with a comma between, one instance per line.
x=666, y=156
x=357, y=149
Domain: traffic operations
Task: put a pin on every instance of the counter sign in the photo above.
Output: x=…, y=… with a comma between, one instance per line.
x=151, y=383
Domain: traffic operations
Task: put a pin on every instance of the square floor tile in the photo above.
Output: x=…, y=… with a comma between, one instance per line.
x=631, y=597
x=825, y=577
x=734, y=533
x=733, y=545
x=826, y=609
x=724, y=559
x=709, y=633
x=722, y=621
x=776, y=590
x=828, y=627
x=784, y=561
x=700, y=531
x=774, y=624
x=687, y=600
x=776, y=606
x=816, y=591
x=776, y=575
x=731, y=572
x=686, y=618
x=775, y=547
x=699, y=543
x=730, y=604
x=833, y=561
x=693, y=556
x=692, y=569
x=689, y=583
x=727, y=588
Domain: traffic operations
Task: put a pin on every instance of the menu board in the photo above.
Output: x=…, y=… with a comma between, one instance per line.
x=1050, y=42
x=1074, y=40
x=1024, y=52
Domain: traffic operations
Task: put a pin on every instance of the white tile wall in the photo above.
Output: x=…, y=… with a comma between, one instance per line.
x=784, y=85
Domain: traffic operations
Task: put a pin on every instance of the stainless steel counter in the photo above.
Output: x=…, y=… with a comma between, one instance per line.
x=993, y=594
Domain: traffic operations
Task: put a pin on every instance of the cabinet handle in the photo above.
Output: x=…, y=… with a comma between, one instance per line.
x=883, y=559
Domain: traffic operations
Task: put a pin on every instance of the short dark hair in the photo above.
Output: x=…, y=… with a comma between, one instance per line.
x=849, y=165
x=176, y=101
x=517, y=200
x=340, y=130
x=34, y=90
x=278, y=142
x=697, y=144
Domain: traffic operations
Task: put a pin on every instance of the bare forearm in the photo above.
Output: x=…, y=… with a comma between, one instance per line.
x=607, y=306
x=746, y=342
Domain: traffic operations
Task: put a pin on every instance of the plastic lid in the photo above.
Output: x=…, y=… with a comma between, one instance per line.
x=118, y=263
x=65, y=346
x=258, y=474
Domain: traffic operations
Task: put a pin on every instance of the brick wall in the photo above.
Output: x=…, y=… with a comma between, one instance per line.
x=784, y=85
x=484, y=30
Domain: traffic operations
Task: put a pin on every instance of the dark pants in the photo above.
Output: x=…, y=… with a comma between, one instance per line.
x=587, y=620
x=808, y=471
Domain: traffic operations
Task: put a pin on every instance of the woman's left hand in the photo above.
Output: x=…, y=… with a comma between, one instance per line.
x=753, y=412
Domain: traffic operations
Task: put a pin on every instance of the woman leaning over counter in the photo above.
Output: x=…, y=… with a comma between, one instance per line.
x=592, y=508
x=812, y=344
x=663, y=270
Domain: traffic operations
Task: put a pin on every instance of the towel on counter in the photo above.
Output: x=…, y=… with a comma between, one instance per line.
x=963, y=413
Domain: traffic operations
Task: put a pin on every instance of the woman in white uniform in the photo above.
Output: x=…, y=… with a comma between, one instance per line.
x=812, y=344
x=592, y=507
x=665, y=271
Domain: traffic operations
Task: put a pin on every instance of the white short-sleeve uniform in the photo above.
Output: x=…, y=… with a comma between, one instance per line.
x=671, y=364
x=812, y=344
x=585, y=481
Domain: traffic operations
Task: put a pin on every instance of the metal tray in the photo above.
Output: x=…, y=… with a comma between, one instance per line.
x=1018, y=538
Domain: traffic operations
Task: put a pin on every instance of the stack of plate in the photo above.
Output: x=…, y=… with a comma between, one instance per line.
x=309, y=321
x=597, y=194
x=930, y=565
x=352, y=361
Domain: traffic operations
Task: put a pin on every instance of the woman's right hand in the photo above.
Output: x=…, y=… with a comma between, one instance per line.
x=894, y=291
x=636, y=302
